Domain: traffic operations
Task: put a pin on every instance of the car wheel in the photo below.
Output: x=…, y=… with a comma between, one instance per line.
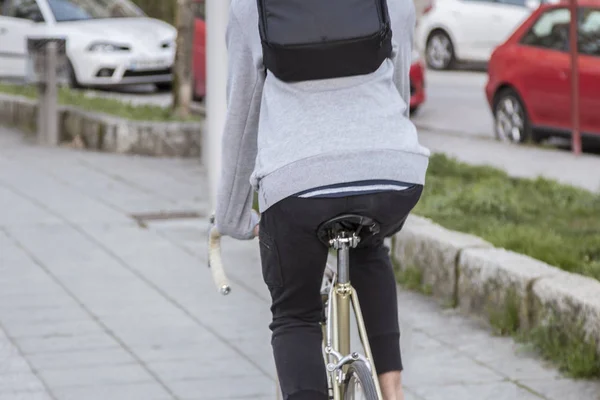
x=439, y=51
x=413, y=110
x=195, y=96
x=73, y=82
x=511, y=123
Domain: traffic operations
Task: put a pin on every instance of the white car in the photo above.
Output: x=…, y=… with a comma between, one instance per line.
x=109, y=42
x=453, y=31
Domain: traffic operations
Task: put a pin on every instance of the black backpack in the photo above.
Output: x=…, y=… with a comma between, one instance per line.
x=320, y=39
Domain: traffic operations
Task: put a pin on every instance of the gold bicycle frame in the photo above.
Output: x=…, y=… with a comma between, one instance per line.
x=341, y=298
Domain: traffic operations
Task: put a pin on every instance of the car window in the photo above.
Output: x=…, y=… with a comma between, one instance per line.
x=550, y=31
x=77, y=10
x=531, y=4
x=23, y=9
x=520, y=3
x=589, y=31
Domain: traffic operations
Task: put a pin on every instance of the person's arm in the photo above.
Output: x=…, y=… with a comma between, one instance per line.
x=403, y=34
x=234, y=216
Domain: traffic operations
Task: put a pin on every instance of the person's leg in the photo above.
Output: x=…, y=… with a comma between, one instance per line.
x=372, y=275
x=391, y=385
x=293, y=261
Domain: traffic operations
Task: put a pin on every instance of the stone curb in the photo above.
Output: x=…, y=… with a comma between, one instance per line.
x=469, y=273
x=96, y=131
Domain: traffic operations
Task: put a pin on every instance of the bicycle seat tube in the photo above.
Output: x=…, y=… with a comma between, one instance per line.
x=343, y=243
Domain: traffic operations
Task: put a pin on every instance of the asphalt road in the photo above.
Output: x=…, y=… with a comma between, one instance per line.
x=456, y=103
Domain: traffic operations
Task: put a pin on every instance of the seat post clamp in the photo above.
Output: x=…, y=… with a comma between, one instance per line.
x=341, y=241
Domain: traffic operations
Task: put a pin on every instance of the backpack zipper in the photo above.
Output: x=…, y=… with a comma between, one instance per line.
x=379, y=34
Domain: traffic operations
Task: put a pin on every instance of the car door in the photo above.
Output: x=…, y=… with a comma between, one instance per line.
x=506, y=17
x=18, y=20
x=546, y=78
x=199, y=57
x=589, y=69
x=473, y=19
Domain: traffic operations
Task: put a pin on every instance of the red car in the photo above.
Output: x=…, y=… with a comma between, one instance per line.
x=529, y=86
x=199, y=58
x=417, y=73
x=417, y=85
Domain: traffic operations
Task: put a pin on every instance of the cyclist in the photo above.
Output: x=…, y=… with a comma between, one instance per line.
x=313, y=150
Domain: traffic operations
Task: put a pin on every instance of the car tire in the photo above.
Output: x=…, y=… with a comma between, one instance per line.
x=195, y=96
x=73, y=82
x=439, y=51
x=413, y=110
x=511, y=121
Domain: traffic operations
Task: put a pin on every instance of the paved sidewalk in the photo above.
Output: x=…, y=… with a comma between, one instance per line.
x=519, y=161
x=96, y=306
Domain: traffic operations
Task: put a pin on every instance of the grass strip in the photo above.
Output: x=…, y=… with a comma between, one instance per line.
x=552, y=222
x=113, y=107
x=562, y=342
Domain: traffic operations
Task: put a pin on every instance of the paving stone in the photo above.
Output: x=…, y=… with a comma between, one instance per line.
x=446, y=366
x=408, y=395
x=22, y=211
x=209, y=349
x=20, y=382
x=565, y=389
x=225, y=387
x=41, y=316
x=55, y=329
x=203, y=368
x=485, y=391
x=96, y=376
x=83, y=358
x=160, y=329
x=59, y=198
x=28, y=395
x=138, y=391
x=13, y=363
x=37, y=345
x=512, y=360
x=27, y=302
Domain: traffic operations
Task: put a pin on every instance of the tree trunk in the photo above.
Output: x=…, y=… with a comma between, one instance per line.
x=182, y=71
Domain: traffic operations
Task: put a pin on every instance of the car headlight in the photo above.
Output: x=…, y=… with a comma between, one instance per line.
x=107, y=47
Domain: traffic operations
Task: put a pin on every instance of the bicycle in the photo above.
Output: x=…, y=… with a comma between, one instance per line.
x=351, y=376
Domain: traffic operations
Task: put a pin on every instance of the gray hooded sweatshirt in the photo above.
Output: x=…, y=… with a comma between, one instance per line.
x=284, y=138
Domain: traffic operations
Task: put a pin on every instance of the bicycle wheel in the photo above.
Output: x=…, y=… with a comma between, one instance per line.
x=359, y=383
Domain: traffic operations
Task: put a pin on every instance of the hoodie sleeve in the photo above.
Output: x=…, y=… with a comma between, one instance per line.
x=403, y=27
x=234, y=215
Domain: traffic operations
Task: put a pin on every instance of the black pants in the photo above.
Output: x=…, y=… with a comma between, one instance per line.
x=293, y=263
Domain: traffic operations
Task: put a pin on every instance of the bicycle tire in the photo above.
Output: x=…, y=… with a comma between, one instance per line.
x=359, y=374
